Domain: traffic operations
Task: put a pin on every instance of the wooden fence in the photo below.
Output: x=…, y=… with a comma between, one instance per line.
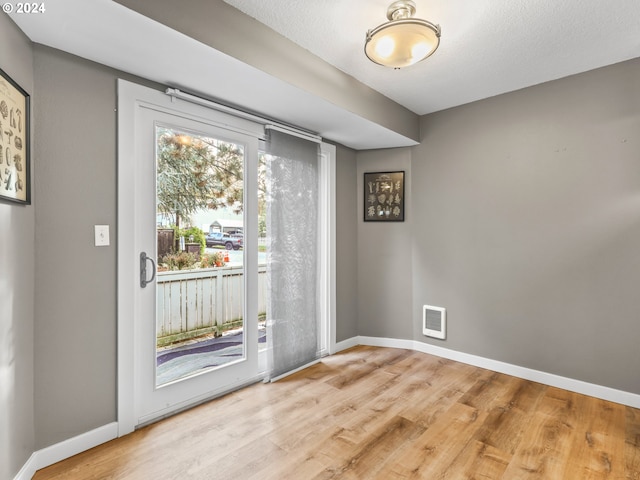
x=196, y=302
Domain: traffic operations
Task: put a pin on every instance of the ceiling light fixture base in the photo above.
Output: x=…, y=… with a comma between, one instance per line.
x=401, y=9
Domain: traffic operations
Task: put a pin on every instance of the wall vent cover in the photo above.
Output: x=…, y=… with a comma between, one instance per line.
x=434, y=321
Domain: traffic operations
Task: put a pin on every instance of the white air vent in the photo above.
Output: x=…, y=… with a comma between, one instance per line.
x=434, y=321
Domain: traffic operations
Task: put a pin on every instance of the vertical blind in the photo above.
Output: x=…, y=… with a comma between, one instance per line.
x=292, y=181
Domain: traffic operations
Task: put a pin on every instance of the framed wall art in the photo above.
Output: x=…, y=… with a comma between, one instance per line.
x=15, y=185
x=384, y=197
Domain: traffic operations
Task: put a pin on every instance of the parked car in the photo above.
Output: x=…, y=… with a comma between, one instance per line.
x=229, y=242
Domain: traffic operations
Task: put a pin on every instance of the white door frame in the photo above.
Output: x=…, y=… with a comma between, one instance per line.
x=327, y=215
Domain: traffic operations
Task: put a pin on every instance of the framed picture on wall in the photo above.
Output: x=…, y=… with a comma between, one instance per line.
x=15, y=185
x=384, y=197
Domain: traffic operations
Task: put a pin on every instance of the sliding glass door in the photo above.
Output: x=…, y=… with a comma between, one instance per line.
x=224, y=254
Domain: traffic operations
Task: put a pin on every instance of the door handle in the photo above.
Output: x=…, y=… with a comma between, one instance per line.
x=143, y=269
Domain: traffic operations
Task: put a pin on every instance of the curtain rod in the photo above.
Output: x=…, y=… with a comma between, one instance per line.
x=268, y=123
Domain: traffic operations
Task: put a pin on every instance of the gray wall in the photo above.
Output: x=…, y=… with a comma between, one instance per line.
x=384, y=255
x=75, y=335
x=16, y=287
x=527, y=226
x=346, y=245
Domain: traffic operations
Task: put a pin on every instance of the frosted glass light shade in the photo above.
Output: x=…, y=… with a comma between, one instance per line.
x=400, y=43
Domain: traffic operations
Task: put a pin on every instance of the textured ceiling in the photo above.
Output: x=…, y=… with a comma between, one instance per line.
x=487, y=47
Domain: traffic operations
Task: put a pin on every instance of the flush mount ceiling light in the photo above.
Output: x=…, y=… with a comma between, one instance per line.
x=403, y=40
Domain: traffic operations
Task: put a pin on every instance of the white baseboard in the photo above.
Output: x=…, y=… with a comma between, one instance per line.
x=570, y=384
x=68, y=448
x=28, y=470
x=348, y=343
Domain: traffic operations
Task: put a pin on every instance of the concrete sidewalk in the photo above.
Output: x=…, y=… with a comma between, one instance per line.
x=187, y=358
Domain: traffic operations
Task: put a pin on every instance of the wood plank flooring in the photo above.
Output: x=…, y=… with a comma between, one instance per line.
x=379, y=413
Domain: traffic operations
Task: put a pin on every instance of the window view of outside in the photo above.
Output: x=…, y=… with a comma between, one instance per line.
x=200, y=230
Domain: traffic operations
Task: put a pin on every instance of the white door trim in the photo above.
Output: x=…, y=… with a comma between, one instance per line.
x=328, y=247
x=128, y=95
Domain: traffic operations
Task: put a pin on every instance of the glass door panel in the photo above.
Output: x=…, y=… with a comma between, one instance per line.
x=200, y=230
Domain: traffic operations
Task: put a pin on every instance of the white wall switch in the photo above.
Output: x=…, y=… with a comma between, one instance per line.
x=102, y=235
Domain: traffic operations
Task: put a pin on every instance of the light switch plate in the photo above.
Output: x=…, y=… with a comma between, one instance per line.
x=102, y=235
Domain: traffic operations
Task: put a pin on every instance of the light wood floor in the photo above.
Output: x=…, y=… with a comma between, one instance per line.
x=379, y=413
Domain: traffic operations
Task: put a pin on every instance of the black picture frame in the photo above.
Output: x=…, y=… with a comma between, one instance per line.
x=15, y=142
x=384, y=196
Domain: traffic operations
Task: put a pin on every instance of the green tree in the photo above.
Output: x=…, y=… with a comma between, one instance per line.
x=262, y=194
x=196, y=172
